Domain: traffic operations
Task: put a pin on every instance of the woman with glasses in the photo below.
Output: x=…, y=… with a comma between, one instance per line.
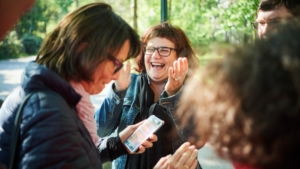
x=82, y=54
x=163, y=66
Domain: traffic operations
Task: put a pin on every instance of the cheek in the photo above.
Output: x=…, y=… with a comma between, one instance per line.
x=146, y=60
x=170, y=60
x=99, y=73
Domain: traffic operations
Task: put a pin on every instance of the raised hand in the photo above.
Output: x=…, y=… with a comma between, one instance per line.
x=177, y=75
x=123, y=81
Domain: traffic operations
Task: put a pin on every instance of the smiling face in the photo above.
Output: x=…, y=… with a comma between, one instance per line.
x=157, y=66
x=269, y=16
x=104, y=73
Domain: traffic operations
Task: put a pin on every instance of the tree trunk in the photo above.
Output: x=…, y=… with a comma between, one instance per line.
x=135, y=25
x=77, y=3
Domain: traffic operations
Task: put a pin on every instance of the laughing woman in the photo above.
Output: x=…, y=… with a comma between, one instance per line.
x=163, y=67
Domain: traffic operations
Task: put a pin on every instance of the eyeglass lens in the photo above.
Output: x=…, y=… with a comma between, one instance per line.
x=162, y=51
x=116, y=62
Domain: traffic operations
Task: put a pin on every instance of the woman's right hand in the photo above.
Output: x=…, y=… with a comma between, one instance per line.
x=123, y=81
x=185, y=157
x=145, y=144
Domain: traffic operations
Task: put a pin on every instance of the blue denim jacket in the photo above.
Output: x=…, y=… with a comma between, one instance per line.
x=120, y=108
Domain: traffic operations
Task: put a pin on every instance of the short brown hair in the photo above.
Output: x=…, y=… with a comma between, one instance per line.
x=82, y=40
x=175, y=35
x=293, y=6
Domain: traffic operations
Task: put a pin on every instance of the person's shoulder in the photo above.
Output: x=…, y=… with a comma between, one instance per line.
x=134, y=75
x=13, y=100
x=43, y=102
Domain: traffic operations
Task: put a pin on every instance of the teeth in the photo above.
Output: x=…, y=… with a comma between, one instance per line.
x=157, y=64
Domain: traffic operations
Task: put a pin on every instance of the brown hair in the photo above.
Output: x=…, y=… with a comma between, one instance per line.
x=293, y=6
x=175, y=35
x=247, y=105
x=82, y=40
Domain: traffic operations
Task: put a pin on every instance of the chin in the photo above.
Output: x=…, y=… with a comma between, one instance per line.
x=97, y=91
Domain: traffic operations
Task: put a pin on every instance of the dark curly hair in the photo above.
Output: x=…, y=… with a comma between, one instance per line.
x=247, y=105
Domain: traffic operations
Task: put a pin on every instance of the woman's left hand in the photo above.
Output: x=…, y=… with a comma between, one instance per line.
x=177, y=75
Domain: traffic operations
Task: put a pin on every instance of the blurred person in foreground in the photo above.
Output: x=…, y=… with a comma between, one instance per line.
x=88, y=47
x=10, y=12
x=270, y=13
x=247, y=105
x=162, y=68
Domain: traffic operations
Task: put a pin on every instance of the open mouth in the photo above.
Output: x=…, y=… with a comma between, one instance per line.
x=157, y=65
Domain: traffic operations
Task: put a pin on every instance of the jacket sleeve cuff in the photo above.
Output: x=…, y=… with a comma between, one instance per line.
x=111, y=148
x=120, y=94
x=169, y=102
x=103, y=150
x=115, y=147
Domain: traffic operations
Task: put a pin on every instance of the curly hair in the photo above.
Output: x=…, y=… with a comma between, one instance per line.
x=176, y=36
x=247, y=104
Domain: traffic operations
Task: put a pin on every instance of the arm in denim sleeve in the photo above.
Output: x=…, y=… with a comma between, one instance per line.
x=170, y=104
x=108, y=116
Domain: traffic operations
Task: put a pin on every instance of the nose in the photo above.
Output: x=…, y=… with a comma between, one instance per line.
x=156, y=54
x=263, y=30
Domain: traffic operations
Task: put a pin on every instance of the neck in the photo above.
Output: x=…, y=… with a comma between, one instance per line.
x=157, y=88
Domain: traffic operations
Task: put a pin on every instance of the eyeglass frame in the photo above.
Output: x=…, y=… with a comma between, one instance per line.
x=157, y=49
x=272, y=23
x=116, y=62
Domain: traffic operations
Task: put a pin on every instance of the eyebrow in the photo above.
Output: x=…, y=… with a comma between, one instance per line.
x=270, y=19
x=115, y=58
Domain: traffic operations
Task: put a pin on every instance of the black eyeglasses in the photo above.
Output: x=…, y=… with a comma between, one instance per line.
x=272, y=24
x=162, y=50
x=116, y=62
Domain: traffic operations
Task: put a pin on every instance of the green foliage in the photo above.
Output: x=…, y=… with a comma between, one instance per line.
x=11, y=47
x=35, y=23
x=204, y=21
x=31, y=43
x=107, y=165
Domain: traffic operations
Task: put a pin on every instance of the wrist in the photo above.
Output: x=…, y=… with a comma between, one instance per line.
x=116, y=147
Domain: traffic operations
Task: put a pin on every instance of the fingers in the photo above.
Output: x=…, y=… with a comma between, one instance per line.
x=123, y=81
x=177, y=75
x=185, y=157
x=127, y=68
x=147, y=144
x=188, y=156
x=153, y=138
x=194, y=164
x=162, y=163
x=128, y=131
x=180, y=151
x=192, y=158
x=180, y=67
